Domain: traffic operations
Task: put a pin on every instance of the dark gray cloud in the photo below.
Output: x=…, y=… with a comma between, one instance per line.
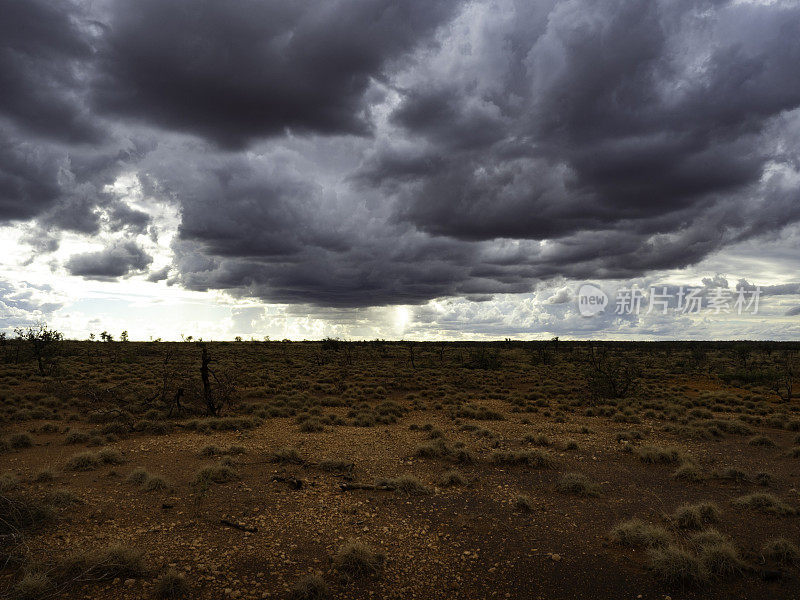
x=117, y=260
x=639, y=116
x=28, y=178
x=241, y=69
x=350, y=153
x=43, y=50
x=122, y=216
x=61, y=188
x=159, y=275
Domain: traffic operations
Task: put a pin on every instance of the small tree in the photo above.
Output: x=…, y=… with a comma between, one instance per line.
x=44, y=343
x=224, y=390
x=123, y=337
x=610, y=377
x=783, y=382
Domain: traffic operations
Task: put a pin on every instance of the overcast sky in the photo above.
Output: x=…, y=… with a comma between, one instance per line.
x=415, y=169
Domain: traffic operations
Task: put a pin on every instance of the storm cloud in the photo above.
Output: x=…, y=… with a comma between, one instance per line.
x=349, y=153
x=117, y=260
x=244, y=69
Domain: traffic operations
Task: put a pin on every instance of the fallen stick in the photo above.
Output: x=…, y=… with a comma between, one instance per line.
x=346, y=487
x=238, y=526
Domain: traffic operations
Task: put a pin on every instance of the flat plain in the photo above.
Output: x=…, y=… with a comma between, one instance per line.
x=333, y=469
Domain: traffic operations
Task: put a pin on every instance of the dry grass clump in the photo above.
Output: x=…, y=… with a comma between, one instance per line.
x=88, y=461
x=44, y=476
x=214, y=474
x=287, y=455
x=764, y=479
x=570, y=444
x=781, y=550
x=109, y=563
x=83, y=461
x=210, y=450
x=138, y=476
x=674, y=565
x=707, y=537
x=33, y=586
x=438, y=448
x=19, y=512
x=155, y=484
x=695, y=516
x=538, y=439
x=629, y=435
x=733, y=474
x=637, y=533
x=721, y=559
x=76, y=437
x=18, y=441
x=61, y=498
x=658, y=455
x=312, y=425
x=463, y=456
x=763, y=502
x=310, y=587
x=110, y=456
x=405, y=484
x=579, y=484
x=688, y=472
x=335, y=465
x=355, y=560
x=761, y=440
x=452, y=478
x=148, y=482
x=171, y=586
x=523, y=503
x=8, y=482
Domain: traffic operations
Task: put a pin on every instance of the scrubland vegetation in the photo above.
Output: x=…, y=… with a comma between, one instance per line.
x=396, y=470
